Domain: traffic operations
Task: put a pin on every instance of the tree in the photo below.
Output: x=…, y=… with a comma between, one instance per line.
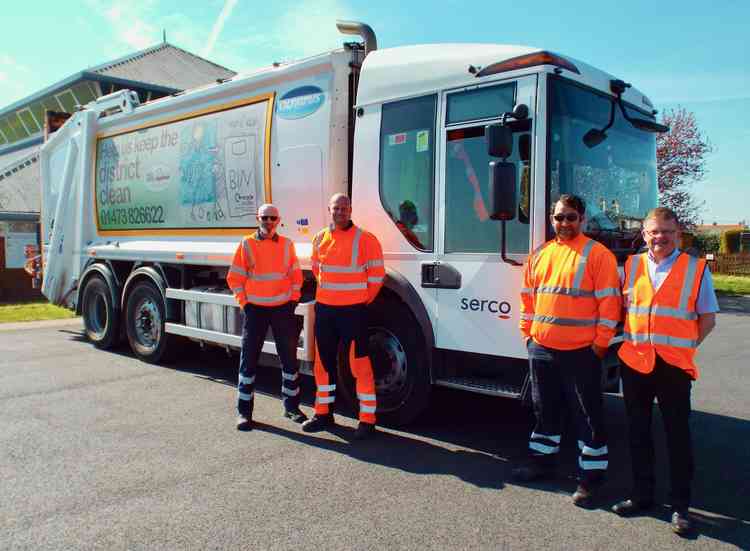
x=681, y=162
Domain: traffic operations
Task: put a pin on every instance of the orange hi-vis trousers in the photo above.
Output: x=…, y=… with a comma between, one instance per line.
x=348, y=325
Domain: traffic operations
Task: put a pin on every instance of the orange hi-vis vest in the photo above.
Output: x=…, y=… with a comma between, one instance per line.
x=571, y=294
x=348, y=265
x=265, y=271
x=661, y=322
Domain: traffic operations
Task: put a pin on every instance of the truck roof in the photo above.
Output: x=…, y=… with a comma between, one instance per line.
x=409, y=71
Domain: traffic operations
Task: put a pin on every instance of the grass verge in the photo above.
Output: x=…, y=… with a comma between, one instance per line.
x=731, y=285
x=33, y=311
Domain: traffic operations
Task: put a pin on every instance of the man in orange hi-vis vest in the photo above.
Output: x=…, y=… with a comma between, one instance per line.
x=266, y=280
x=570, y=307
x=348, y=265
x=670, y=307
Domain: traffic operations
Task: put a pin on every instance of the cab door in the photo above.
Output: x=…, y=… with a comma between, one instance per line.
x=477, y=291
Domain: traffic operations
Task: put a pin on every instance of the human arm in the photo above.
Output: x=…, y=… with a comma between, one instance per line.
x=706, y=306
x=374, y=266
x=295, y=274
x=608, y=299
x=527, y=299
x=239, y=271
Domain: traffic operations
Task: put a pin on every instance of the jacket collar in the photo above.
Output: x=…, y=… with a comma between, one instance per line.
x=258, y=236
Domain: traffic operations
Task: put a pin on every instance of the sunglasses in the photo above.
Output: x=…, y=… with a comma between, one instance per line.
x=271, y=218
x=570, y=217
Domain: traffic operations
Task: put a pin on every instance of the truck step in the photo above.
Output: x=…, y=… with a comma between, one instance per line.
x=483, y=385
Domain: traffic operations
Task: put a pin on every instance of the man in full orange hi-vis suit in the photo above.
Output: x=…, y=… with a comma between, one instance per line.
x=570, y=307
x=670, y=307
x=348, y=265
x=266, y=280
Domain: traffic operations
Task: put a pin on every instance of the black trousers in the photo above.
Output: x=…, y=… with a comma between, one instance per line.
x=671, y=386
x=568, y=379
x=285, y=333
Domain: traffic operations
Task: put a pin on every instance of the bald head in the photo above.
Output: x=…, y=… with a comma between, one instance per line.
x=340, y=209
x=268, y=219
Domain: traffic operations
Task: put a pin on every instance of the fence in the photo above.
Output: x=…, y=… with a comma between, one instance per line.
x=731, y=264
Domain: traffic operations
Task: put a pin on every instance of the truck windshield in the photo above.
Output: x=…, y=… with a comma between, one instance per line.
x=616, y=178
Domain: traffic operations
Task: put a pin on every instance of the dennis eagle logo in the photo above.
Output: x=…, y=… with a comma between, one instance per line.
x=300, y=102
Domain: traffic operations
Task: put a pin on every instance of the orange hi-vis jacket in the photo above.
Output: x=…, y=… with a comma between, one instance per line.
x=665, y=321
x=571, y=294
x=264, y=271
x=348, y=265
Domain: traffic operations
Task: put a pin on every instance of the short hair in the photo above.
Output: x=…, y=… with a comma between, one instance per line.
x=573, y=202
x=662, y=213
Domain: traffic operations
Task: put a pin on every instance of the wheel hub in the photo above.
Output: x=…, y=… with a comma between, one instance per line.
x=147, y=324
x=389, y=363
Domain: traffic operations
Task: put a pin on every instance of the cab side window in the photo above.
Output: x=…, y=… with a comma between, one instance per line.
x=407, y=167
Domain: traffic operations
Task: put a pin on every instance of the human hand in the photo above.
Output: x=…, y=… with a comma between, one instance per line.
x=600, y=351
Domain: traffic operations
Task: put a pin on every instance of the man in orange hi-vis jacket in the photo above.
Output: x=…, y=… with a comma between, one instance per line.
x=266, y=280
x=670, y=307
x=570, y=307
x=348, y=264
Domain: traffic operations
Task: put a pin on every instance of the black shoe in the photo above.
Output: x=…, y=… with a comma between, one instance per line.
x=584, y=495
x=364, y=431
x=244, y=423
x=531, y=472
x=681, y=524
x=295, y=415
x=631, y=507
x=318, y=423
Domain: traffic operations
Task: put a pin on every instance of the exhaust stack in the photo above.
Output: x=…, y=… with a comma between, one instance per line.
x=359, y=29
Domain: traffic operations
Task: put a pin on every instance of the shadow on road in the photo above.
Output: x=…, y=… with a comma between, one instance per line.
x=734, y=304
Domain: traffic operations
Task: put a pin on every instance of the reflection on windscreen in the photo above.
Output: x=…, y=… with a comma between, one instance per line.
x=617, y=178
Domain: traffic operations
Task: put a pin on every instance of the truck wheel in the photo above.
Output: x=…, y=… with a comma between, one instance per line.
x=101, y=319
x=397, y=353
x=144, y=323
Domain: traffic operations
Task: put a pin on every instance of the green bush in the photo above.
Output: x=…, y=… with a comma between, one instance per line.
x=730, y=242
x=706, y=242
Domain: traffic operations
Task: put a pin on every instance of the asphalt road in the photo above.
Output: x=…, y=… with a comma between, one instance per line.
x=101, y=451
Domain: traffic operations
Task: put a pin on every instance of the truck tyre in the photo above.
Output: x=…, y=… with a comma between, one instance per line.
x=397, y=353
x=101, y=317
x=145, y=316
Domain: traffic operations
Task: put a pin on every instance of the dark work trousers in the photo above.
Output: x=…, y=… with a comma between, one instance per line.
x=285, y=333
x=671, y=386
x=335, y=326
x=568, y=379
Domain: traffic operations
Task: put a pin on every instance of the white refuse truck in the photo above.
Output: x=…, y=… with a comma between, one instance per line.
x=453, y=155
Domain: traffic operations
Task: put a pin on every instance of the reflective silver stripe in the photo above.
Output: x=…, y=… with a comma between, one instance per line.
x=594, y=452
x=660, y=339
x=287, y=247
x=284, y=296
x=290, y=377
x=608, y=323
x=541, y=448
x=370, y=397
x=366, y=409
x=344, y=286
x=582, y=264
x=239, y=271
x=288, y=392
x=554, y=320
x=527, y=317
x=297, y=287
x=607, y=292
x=662, y=311
x=246, y=397
x=326, y=388
x=374, y=263
x=375, y=279
x=569, y=291
x=238, y=290
x=553, y=437
x=355, y=247
x=326, y=399
x=527, y=291
x=633, y=269
x=248, y=252
x=592, y=465
x=292, y=268
x=270, y=276
x=330, y=269
x=246, y=380
x=687, y=284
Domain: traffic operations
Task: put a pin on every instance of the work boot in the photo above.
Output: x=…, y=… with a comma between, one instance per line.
x=681, y=524
x=244, y=422
x=630, y=507
x=295, y=415
x=318, y=423
x=364, y=431
x=583, y=496
x=531, y=472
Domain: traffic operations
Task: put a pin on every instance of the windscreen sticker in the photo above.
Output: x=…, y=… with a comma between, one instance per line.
x=397, y=139
x=423, y=141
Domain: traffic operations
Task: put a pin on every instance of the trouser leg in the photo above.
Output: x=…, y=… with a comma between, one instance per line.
x=361, y=367
x=638, y=393
x=673, y=394
x=582, y=381
x=284, y=327
x=253, y=333
x=326, y=358
x=546, y=394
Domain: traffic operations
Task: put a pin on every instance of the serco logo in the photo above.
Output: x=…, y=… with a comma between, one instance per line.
x=500, y=307
x=300, y=102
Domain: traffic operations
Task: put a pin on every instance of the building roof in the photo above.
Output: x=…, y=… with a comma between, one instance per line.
x=718, y=228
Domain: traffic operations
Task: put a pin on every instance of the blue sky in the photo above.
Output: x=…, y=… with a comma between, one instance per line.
x=680, y=53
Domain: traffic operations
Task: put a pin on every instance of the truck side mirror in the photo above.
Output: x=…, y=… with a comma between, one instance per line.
x=499, y=140
x=503, y=204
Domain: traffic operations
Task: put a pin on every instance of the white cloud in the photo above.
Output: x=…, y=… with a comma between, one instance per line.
x=129, y=22
x=226, y=11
